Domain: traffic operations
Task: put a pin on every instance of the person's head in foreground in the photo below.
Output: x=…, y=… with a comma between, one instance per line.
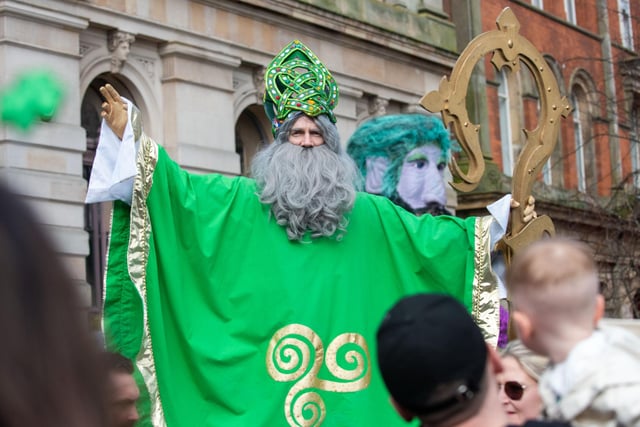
x=518, y=382
x=554, y=289
x=436, y=364
x=403, y=157
x=305, y=175
x=49, y=366
x=123, y=392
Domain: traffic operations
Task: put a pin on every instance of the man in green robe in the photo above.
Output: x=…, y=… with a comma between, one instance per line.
x=256, y=301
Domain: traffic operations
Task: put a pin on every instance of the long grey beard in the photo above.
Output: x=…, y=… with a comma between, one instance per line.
x=309, y=189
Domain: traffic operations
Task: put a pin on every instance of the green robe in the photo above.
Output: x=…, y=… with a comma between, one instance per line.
x=232, y=324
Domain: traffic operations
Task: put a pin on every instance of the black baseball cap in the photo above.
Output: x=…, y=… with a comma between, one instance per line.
x=431, y=354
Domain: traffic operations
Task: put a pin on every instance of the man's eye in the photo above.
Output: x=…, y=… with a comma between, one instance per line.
x=315, y=133
x=420, y=163
x=441, y=166
x=297, y=133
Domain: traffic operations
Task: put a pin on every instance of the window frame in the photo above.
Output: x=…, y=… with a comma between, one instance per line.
x=506, y=133
x=578, y=139
x=635, y=145
x=570, y=11
x=626, y=26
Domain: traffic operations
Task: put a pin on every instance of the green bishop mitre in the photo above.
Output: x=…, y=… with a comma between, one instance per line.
x=296, y=80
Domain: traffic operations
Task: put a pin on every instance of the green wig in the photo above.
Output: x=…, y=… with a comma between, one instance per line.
x=393, y=137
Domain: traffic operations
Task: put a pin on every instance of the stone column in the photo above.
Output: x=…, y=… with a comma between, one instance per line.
x=197, y=90
x=44, y=163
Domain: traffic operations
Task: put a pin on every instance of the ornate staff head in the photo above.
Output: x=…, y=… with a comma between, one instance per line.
x=509, y=50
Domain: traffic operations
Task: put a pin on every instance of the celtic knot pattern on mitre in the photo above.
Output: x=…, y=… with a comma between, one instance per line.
x=296, y=80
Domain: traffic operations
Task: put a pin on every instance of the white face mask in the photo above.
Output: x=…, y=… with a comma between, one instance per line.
x=421, y=178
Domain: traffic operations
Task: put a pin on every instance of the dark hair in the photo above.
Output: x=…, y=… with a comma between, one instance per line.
x=116, y=362
x=49, y=365
x=427, y=373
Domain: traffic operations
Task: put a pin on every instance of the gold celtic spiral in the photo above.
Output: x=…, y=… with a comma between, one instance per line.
x=292, y=351
x=296, y=353
x=347, y=359
x=307, y=409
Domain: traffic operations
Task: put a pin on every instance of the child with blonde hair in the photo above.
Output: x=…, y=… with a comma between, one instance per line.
x=594, y=375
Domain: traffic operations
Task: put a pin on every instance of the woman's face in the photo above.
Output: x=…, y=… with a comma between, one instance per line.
x=529, y=405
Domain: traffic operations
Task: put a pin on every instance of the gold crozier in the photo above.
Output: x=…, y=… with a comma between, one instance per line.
x=509, y=49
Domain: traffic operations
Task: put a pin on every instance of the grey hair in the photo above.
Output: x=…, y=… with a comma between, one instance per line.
x=309, y=189
x=533, y=364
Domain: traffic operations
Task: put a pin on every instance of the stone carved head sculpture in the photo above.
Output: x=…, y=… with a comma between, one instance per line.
x=119, y=44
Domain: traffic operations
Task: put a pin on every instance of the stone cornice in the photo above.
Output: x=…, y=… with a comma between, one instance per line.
x=39, y=14
x=306, y=18
x=198, y=53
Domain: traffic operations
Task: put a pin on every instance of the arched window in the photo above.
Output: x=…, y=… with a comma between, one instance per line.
x=251, y=135
x=578, y=132
x=570, y=10
x=584, y=144
x=506, y=135
x=511, y=117
x=626, y=23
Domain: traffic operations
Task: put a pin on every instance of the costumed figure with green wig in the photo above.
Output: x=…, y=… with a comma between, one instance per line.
x=255, y=301
x=403, y=157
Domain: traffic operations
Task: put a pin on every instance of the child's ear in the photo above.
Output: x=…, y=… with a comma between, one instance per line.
x=599, y=312
x=494, y=359
x=523, y=324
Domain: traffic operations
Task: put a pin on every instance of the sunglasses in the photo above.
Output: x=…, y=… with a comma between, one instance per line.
x=513, y=389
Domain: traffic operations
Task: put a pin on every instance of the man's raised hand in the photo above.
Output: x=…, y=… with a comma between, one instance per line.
x=529, y=211
x=114, y=110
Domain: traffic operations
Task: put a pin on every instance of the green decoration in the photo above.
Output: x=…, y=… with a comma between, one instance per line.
x=34, y=96
x=296, y=80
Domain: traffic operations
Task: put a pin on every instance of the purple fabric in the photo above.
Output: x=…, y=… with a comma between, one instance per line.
x=503, y=337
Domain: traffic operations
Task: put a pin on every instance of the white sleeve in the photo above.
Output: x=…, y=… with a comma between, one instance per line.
x=500, y=211
x=114, y=167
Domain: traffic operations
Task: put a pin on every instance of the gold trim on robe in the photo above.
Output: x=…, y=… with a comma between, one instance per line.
x=485, y=307
x=138, y=254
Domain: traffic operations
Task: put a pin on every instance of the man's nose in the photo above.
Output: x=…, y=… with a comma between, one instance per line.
x=307, y=141
x=133, y=414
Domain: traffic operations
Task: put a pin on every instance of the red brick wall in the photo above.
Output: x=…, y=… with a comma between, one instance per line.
x=574, y=49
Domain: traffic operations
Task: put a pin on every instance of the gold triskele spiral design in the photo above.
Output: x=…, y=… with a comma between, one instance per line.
x=296, y=354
